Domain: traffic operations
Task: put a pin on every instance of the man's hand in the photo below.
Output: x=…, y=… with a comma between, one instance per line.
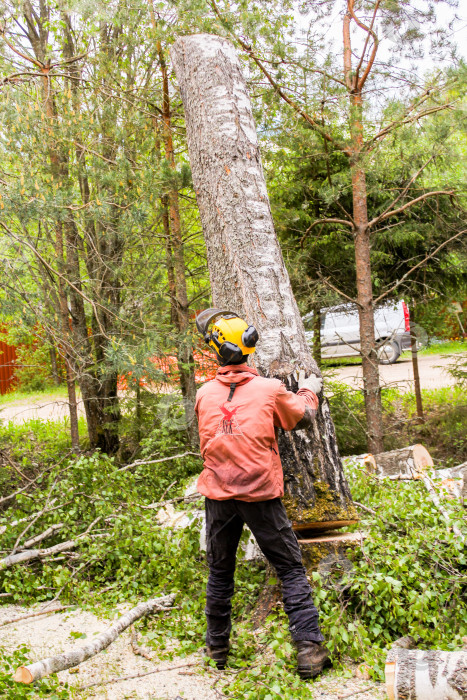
x=314, y=383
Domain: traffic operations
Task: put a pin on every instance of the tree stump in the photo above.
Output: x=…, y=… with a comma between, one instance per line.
x=412, y=674
x=245, y=262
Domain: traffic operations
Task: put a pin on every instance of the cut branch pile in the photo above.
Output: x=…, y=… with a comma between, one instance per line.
x=74, y=657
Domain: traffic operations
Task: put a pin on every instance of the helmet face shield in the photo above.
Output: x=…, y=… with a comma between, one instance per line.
x=205, y=317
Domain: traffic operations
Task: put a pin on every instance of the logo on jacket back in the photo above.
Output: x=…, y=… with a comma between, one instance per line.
x=228, y=424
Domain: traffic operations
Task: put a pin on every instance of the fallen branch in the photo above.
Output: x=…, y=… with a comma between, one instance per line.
x=33, y=516
x=14, y=466
x=157, y=461
x=136, y=675
x=54, y=664
x=137, y=650
x=178, y=499
x=4, y=499
x=29, y=554
x=43, y=535
x=12, y=620
x=365, y=508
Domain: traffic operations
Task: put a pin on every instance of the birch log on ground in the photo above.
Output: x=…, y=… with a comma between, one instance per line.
x=73, y=657
x=412, y=674
x=245, y=262
x=411, y=461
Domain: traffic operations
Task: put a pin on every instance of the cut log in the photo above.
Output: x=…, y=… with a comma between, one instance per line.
x=366, y=461
x=426, y=675
x=411, y=461
x=54, y=664
x=246, y=267
x=454, y=481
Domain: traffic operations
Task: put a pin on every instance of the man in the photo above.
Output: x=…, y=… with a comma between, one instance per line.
x=239, y=414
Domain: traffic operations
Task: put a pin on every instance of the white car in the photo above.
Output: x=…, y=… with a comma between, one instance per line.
x=340, y=331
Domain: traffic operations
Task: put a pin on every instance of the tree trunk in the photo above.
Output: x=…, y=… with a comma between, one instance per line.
x=246, y=267
x=185, y=351
x=65, y=328
x=416, y=373
x=370, y=369
x=317, y=334
x=412, y=674
x=53, y=361
x=74, y=657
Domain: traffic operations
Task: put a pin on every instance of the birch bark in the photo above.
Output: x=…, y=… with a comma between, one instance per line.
x=245, y=262
x=54, y=664
x=426, y=675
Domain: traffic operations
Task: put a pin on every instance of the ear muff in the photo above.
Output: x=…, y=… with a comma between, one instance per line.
x=250, y=337
x=230, y=352
x=227, y=351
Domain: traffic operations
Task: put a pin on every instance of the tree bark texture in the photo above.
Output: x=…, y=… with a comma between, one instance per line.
x=317, y=334
x=412, y=674
x=411, y=461
x=416, y=373
x=370, y=369
x=246, y=267
x=54, y=664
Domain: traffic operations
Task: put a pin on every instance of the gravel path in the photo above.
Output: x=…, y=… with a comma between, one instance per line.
x=44, y=407
x=52, y=634
x=433, y=374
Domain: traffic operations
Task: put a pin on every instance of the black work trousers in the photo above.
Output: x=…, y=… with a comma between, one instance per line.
x=273, y=532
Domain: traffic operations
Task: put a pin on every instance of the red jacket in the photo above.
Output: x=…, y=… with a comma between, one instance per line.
x=238, y=438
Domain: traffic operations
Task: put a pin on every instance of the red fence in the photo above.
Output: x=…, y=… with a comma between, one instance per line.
x=7, y=367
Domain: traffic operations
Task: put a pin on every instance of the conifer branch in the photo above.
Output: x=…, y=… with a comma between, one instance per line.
x=247, y=48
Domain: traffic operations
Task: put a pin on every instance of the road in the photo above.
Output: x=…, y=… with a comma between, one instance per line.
x=433, y=375
x=432, y=368
x=44, y=407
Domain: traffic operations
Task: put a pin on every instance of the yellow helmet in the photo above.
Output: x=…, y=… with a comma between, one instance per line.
x=231, y=337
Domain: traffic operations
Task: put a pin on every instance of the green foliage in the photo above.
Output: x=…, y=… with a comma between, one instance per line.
x=50, y=687
x=442, y=432
x=408, y=576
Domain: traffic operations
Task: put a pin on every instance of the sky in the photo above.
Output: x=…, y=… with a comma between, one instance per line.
x=445, y=15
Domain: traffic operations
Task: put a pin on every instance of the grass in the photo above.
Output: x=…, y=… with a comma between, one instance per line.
x=448, y=347
x=51, y=391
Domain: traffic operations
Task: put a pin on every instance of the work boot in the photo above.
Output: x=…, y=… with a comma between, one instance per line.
x=311, y=658
x=219, y=655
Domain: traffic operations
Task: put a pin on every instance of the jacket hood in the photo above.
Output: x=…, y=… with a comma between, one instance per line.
x=236, y=374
